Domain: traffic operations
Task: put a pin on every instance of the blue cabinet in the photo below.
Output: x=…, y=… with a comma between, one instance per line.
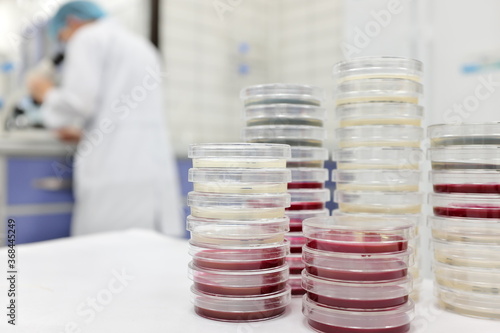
x=37, y=228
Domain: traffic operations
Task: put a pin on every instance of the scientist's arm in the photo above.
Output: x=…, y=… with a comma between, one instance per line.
x=74, y=102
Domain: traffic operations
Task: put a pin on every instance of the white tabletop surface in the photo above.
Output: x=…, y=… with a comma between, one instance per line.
x=70, y=285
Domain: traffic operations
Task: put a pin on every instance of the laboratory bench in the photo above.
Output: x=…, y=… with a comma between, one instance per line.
x=136, y=281
x=36, y=173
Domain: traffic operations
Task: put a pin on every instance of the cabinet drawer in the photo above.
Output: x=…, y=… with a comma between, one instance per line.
x=38, y=180
x=37, y=228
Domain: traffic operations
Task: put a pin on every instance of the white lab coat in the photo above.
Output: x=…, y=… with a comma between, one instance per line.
x=125, y=175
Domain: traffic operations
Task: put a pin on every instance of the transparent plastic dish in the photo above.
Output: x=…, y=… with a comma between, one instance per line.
x=285, y=114
x=341, y=234
x=237, y=233
x=377, y=180
x=379, y=158
x=307, y=157
x=238, y=206
x=239, y=257
x=308, y=178
x=380, y=219
x=239, y=155
x=295, y=263
x=465, y=158
x=378, y=91
x=331, y=320
x=240, y=308
x=465, y=230
x=378, y=67
x=281, y=93
x=466, y=254
x=465, y=205
x=349, y=295
x=297, y=216
x=358, y=267
x=380, y=136
x=238, y=283
x=295, y=282
x=297, y=136
x=296, y=240
x=379, y=202
x=468, y=304
x=464, y=134
x=240, y=181
x=363, y=114
x=308, y=199
x=465, y=181
x=476, y=280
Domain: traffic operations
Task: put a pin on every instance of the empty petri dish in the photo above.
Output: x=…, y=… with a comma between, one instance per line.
x=362, y=114
x=281, y=93
x=378, y=67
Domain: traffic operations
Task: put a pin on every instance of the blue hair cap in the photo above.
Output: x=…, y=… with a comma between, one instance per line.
x=84, y=10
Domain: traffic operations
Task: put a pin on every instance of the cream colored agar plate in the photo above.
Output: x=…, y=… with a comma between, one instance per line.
x=368, y=99
x=470, y=312
x=467, y=236
x=380, y=121
x=238, y=214
x=468, y=286
x=355, y=166
x=384, y=188
x=358, y=208
x=240, y=188
x=353, y=144
x=238, y=163
x=461, y=259
x=218, y=238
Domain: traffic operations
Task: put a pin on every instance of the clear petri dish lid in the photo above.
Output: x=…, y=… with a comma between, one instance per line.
x=223, y=253
x=309, y=195
x=465, y=157
x=359, y=262
x=472, y=181
x=379, y=198
x=379, y=219
x=315, y=175
x=468, y=303
x=236, y=304
x=478, y=276
x=378, y=67
x=300, y=154
x=469, y=201
x=379, y=290
x=237, y=278
x=380, y=136
x=466, y=254
x=356, y=320
x=305, y=214
x=376, y=177
x=379, y=110
x=364, y=226
x=225, y=175
x=464, y=134
x=230, y=201
x=378, y=157
x=282, y=93
x=285, y=132
x=466, y=230
x=295, y=111
x=239, y=150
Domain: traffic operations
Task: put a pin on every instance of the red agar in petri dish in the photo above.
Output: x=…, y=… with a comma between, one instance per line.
x=325, y=328
x=231, y=259
x=239, y=316
x=357, y=304
x=306, y=205
x=467, y=188
x=355, y=242
x=477, y=211
x=265, y=288
x=302, y=185
x=352, y=275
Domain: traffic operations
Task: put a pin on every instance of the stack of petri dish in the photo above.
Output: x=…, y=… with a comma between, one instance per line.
x=379, y=134
x=238, y=226
x=465, y=226
x=292, y=114
x=357, y=274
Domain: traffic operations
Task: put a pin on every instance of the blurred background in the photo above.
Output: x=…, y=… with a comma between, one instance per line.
x=213, y=48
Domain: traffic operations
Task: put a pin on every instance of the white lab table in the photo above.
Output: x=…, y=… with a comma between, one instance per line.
x=71, y=285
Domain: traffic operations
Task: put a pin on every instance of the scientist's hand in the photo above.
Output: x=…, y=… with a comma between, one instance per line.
x=39, y=86
x=69, y=134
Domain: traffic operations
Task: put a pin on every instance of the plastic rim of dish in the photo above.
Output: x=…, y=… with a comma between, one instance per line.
x=275, y=92
x=294, y=111
x=360, y=114
x=239, y=150
x=381, y=180
x=379, y=136
x=359, y=320
x=443, y=135
x=217, y=200
x=379, y=202
x=468, y=304
x=368, y=67
x=466, y=230
x=378, y=158
x=465, y=157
